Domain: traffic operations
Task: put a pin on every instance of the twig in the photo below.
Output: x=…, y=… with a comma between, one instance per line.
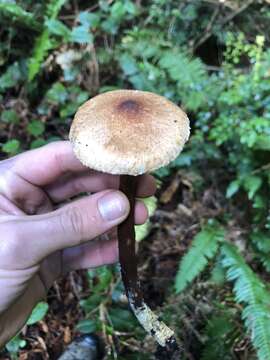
x=262, y=168
x=208, y=29
x=227, y=19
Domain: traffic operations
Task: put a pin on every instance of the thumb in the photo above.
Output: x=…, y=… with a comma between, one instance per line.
x=71, y=225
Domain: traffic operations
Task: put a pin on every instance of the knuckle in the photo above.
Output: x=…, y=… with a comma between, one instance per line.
x=10, y=244
x=72, y=221
x=78, y=186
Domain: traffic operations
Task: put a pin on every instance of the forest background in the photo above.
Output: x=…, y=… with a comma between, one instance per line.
x=205, y=254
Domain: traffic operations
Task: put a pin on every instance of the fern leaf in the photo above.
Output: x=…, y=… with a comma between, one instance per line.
x=204, y=247
x=42, y=46
x=219, y=331
x=53, y=8
x=16, y=13
x=43, y=43
x=253, y=294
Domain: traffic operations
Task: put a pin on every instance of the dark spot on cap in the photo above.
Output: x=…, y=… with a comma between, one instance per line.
x=129, y=106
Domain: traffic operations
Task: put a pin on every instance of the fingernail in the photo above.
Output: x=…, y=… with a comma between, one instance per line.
x=112, y=206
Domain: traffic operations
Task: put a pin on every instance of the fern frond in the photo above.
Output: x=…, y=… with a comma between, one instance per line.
x=265, y=259
x=53, y=8
x=189, y=75
x=43, y=43
x=219, y=330
x=204, y=247
x=42, y=46
x=253, y=294
x=261, y=240
x=15, y=13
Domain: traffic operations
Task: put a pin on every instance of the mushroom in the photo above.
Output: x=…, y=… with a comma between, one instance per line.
x=128, y=133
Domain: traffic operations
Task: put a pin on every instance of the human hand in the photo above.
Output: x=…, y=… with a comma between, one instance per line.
x=40, y=239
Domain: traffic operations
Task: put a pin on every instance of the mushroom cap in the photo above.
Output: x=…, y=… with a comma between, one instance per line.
x=128, y=132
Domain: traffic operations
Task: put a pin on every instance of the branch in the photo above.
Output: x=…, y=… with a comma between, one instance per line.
x=209, y=29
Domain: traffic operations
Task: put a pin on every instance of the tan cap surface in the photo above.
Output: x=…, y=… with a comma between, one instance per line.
x=128, y=132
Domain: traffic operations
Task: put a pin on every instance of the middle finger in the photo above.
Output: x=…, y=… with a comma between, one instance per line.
x=92, y=181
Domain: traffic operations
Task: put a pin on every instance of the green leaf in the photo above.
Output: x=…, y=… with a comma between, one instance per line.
x=86, y=326
x=15, y=13
x=53, y=8
x=11, y=77
x=232, y=188
x=10, y=116
x=184, y=159
x=122, y=319
x=110, y=26
x=262, y=143
x=57, y=94
x=81, y=35
x=11, y=147
x=218, y=275
x=252, y=184
x=128, y=64
x=57, y=27
x=118, y=10
x=141, y=231
x=254, y=296
x=204, y=247
x=37, y=143
x=38, y=313
x=91, y=302
x=261, y=240
x=104, y=275
x=71, y=107
x=15, y=344
x=163, y=172
x=131, y=8
x=89, y=19
x=36, y=128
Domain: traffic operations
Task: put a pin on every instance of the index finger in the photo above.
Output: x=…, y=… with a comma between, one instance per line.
x=44, y=165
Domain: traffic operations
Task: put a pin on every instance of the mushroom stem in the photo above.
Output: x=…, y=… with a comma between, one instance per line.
x=128, y=261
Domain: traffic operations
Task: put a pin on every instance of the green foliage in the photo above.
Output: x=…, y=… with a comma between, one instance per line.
x=219, y=331
x=14, y=345
x=38, y=313
x=122, y=319
x=42, y=45
x=99, y=282
x=11, y=147
x=141, y=231
x=86, y=326
x=10, y=116
x=53, y=8
x=15, y=13
x=36, y=128
x=204, y=247
x=17, y=343
x=43, y=42
x=11, y=77
x=254, y=295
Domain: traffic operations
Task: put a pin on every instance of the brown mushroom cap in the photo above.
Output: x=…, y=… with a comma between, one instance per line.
x=128, y=132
